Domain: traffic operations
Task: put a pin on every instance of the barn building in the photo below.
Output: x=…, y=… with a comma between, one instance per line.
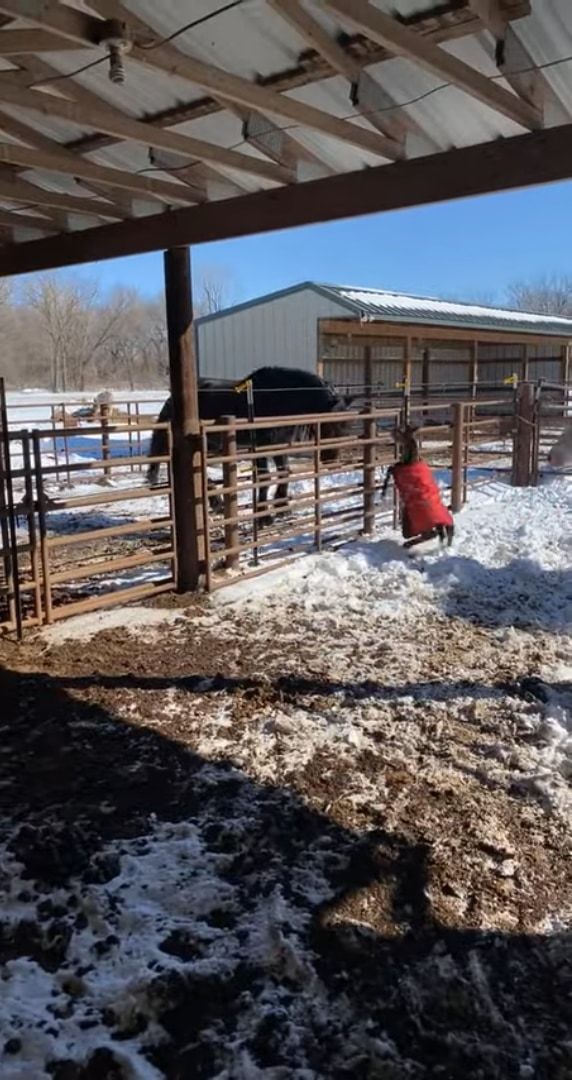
x=371, y=337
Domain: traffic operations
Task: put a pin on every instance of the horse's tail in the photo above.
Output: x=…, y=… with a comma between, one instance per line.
x=159, y=442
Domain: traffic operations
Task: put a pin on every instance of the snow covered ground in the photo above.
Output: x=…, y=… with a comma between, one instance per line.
x=323, y=822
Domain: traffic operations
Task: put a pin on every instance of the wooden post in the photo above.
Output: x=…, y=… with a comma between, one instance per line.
x=525, y=363
x=523, y=436
x=458, y=456
x=369, y=434
x=230, y=496
x=368, y=376
x=407, y=368
x=425, y=377
x=474, y=369
x=187, y=482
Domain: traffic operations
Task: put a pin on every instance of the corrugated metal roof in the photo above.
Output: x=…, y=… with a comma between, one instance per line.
x=382, y=305
x=254, y=42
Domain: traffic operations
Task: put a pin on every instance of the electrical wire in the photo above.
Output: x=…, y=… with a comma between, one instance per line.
x=69, y=75
x=192, y=25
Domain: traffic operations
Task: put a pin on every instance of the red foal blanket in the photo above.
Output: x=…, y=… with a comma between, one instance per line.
x=420, y=498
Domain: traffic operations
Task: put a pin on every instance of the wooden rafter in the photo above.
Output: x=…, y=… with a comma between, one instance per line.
x=382, y=110
x=513, y=59
x=27, y=221
x=112, y=122
x=361, y=15
x=446, y=24
x=13, y=187
x=86, y=30
x=78, y=167
x=259, y=130
x=533, y=158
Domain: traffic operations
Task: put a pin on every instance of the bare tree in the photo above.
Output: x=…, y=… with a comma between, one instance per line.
x=546, y=296
x=214, y=291
x=76, y=325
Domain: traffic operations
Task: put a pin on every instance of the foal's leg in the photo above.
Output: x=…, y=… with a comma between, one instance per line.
x=429, y=534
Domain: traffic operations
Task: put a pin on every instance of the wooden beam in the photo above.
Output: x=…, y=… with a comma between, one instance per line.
x=86, y=30
x=32, y=137
x=510, y=53
x=36, y=69
x=536, y=158
x=17, y=42
x=73, y=165
x=27, y=221
x=19, y=190
x=317, y=38
x=187, y=472
x=401, y=41
x=352, y=328
x=112, y=122
x=259, y=130
x=447, y=23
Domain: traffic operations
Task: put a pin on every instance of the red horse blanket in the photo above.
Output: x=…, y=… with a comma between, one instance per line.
x=420, y=498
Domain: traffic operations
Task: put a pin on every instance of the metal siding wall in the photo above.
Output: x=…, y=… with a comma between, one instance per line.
x=281, y=332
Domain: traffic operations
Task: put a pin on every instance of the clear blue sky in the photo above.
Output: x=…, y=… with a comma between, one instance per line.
x=469, y=248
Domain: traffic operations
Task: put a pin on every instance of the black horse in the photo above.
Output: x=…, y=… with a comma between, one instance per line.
x=277, y=392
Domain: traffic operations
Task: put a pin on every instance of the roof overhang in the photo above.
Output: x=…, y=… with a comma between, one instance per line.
x=265, y=115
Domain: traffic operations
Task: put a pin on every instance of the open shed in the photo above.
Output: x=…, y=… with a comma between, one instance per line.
x=362, y=338
x=132, y=127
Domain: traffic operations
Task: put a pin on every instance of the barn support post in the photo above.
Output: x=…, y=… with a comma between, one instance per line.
x=458, y=457
x=187, y=468
x=523, y=436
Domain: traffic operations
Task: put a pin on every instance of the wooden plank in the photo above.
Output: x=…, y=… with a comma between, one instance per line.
x=113, y=122
x=540, y=157
x=26, y=221
x=12, y=187
x=71, y=164
x=387, y=31
x=18, y=42
x=340, y=60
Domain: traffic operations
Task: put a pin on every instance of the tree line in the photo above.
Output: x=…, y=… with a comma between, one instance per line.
x=64, y=333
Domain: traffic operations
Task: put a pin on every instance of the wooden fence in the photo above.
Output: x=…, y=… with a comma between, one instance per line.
x=78, y=535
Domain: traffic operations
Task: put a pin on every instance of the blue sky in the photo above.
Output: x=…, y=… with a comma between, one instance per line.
x=470, y=248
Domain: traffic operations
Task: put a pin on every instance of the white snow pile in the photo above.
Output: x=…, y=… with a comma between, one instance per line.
x=135, y=619
x=510, y=565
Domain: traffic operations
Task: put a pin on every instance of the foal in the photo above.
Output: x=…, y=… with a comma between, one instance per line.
x=423, y=514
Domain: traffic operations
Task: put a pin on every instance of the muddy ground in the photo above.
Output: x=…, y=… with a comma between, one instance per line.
x=405, y=770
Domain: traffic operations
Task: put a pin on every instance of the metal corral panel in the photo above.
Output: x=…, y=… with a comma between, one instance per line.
x=280, y=331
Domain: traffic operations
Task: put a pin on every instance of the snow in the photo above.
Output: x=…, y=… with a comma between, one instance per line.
x=135, y=619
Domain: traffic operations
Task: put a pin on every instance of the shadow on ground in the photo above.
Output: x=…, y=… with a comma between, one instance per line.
x=317, y=951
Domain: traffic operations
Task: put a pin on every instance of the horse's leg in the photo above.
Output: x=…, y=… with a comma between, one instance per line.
x=159, y=448
x=261, y=473
x=281, y=497
x=429, y=534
